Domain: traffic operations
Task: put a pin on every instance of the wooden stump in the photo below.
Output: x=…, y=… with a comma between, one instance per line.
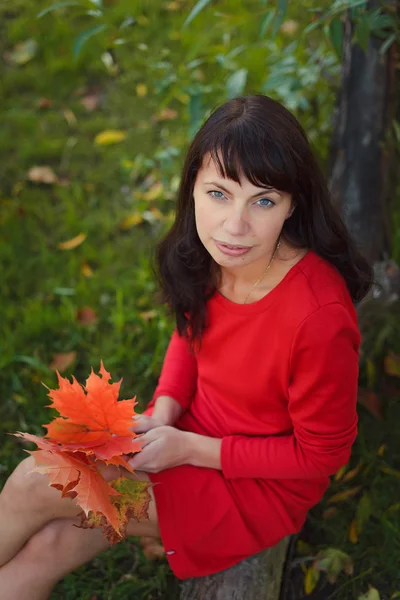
x=256, y=578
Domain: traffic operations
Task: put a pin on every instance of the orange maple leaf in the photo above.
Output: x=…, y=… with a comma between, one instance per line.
x=92, y=416
x=94, y=426
x=91, y=491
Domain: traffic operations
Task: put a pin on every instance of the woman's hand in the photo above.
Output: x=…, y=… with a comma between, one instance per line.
x=143, y=423
x=163, y=447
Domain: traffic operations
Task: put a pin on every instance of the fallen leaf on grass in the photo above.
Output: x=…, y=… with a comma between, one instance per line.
x=62, y=361
x=70, y=117
x=86, y=315
x=353, y=537
x=148, y=314
x=73, y=243
x=345, y=495
x=43, y=174
x=372, y=594
x=109, y=136
x=371, y=402
x=86, y=270
x=22, y=52
x=332, y=561
x=141, y=90
x=329, y=512
x=392, y=364
x=311, y=580
x=166, y=114
x=351, y=474
x=43, y=103
x=131, y=221
x=91, y=102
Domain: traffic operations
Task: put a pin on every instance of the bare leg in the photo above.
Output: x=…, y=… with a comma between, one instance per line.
x=28, y=503
x=57, y=548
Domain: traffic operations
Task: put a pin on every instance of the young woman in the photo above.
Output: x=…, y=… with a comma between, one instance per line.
x=256, y=403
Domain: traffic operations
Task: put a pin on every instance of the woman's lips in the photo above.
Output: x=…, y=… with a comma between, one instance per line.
x=232, y=251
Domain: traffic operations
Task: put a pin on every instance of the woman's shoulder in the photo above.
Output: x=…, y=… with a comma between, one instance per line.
x=318, y=283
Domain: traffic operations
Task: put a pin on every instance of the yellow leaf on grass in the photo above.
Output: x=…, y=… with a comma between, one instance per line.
x=372, y=594
x=141, y=90
x=311, y=580
x=86, y=270
x=73, y=243
x=109, y=136
x=392, y=364
x=390, y=471
x=340, y=473
x=381, y=449
x=353, y=537
x=154, y=192
x=351, y=474
x=345, y=495
x=130, y=221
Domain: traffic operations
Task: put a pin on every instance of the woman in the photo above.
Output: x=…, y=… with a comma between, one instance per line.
x=256, y=403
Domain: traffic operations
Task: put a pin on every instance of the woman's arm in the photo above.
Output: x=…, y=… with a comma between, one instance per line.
x=322, y=400
x=177, y=381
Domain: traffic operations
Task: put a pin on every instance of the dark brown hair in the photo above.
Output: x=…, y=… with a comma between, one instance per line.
x=256, y=135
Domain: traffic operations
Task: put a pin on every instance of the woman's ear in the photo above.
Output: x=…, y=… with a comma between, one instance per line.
x=291, y=211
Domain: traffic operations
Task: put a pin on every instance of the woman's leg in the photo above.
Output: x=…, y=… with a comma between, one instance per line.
x=53, y=552
x=28, y=503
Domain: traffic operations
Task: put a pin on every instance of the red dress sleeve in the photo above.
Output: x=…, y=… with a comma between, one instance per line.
x=322, y=399
x=178, y=377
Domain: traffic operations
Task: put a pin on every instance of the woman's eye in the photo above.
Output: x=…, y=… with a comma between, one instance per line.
x=270, y=203
x=215, y=192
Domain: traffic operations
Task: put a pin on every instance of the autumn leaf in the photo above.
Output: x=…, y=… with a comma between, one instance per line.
x=62, y=361
x=311, y=580
x=371, y=402
x=345, y=495
x=353, y=534
x=392, y=364
x=131, y=220
x=43, y=174
x=22, y=52
x=131, y=501
x=94, y=427
x=109, y=136
x=86, y=315
x=141, y=90
x=73, y=243
x=91, y=491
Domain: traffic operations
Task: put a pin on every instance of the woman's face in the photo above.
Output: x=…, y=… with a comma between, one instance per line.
x=236, y=214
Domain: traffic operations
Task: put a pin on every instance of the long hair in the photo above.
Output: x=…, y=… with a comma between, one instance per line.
x=255, y=135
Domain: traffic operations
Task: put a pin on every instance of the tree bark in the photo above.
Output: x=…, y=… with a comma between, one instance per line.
x=256, y=578
x=360, y=166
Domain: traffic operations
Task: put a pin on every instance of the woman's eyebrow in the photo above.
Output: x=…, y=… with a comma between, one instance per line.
x=254, y=196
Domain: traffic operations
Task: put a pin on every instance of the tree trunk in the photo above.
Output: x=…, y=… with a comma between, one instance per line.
x=360, y=166
x=256, y=578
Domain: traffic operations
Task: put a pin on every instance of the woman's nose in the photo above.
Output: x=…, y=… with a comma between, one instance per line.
x=236, y=224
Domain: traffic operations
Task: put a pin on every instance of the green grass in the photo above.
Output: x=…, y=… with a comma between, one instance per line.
x=43, y=287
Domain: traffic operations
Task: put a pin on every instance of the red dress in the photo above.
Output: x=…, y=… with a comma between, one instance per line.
x=277, y=381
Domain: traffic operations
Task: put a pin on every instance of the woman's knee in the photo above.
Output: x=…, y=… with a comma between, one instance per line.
x=23, y=487
x=27, y=490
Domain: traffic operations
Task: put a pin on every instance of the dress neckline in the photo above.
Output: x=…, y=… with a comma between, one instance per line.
x=264, y=302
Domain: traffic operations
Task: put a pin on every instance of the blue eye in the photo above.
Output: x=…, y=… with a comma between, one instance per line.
x=266, y=200
x=215, y=192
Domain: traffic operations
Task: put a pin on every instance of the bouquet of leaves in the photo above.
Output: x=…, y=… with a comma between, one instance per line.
x=93, y=426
